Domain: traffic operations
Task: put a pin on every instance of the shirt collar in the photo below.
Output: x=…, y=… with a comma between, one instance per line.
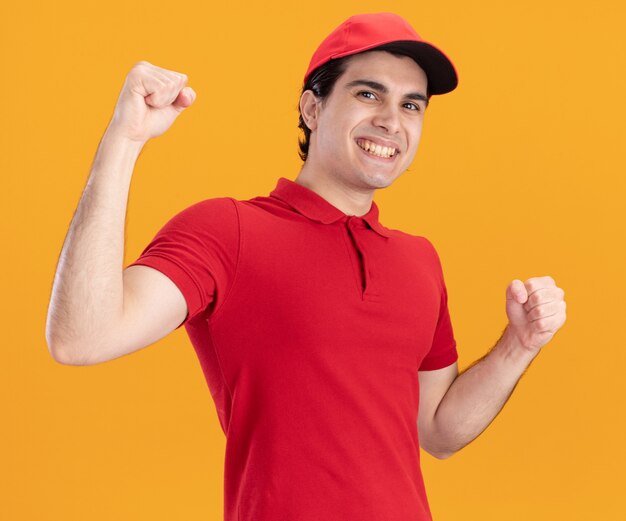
x=312, y=205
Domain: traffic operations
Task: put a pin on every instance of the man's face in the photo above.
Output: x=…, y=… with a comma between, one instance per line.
x=373, y=105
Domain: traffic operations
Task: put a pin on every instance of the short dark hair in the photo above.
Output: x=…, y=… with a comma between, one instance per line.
x=322, y=80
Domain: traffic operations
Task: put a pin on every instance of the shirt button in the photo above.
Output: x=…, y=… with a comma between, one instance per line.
x=356, y=222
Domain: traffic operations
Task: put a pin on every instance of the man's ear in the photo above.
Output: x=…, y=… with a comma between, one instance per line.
x=309, y=108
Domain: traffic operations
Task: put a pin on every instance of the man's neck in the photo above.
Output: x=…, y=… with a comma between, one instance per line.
x=338, y=194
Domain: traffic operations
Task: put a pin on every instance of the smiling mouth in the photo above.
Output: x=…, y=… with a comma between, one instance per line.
x=376, y=150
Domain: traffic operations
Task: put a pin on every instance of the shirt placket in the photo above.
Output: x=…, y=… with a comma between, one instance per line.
x=362, y=260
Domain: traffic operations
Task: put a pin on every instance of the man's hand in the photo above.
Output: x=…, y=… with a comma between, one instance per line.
x=536, y=311
x=150, y=100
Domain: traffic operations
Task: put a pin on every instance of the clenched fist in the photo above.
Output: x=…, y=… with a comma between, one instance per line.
x=536, y=311
x=150, y=100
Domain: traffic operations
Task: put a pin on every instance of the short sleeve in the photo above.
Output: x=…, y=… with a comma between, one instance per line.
x=443, y=350
x=198, y=250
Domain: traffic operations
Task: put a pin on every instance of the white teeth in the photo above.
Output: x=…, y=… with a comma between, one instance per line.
x=377, y=150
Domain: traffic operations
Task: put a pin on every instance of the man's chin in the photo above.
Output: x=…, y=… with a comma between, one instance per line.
x=378, y=180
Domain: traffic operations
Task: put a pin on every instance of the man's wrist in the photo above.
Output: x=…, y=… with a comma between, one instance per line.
x=512, y=351
x=117, y=153
x=112, y=135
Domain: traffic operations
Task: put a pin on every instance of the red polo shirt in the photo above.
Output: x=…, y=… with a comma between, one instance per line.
x=310, y=326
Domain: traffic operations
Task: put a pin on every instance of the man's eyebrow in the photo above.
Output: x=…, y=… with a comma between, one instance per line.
x=382, y=88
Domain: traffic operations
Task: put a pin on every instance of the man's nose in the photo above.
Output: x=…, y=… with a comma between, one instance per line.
x=388, y=117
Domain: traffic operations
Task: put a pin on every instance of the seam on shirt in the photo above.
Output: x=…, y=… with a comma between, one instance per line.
x=436, y=361
x=212, y=317
x=224, y=381
x=217, y=310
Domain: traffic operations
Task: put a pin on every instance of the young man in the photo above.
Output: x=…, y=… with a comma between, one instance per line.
x=324, y=336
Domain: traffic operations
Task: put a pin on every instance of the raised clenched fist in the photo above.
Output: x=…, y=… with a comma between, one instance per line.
x=536, y=311
x=150, y=100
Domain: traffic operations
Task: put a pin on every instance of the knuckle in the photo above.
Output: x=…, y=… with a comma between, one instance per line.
x=141, y=69
x=541, y=323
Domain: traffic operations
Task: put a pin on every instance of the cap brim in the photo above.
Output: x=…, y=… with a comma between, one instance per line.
x=442, y=76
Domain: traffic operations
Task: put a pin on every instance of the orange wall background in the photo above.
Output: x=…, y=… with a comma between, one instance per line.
x=520, y=173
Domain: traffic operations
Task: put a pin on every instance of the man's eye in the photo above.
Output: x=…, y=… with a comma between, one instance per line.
x=366, y=93
x=414, y=106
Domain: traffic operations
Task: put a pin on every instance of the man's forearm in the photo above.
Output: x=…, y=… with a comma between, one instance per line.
x=478, y=394
x=87, y=292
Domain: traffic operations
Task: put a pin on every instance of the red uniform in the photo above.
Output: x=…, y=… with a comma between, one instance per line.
x=310, y=326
